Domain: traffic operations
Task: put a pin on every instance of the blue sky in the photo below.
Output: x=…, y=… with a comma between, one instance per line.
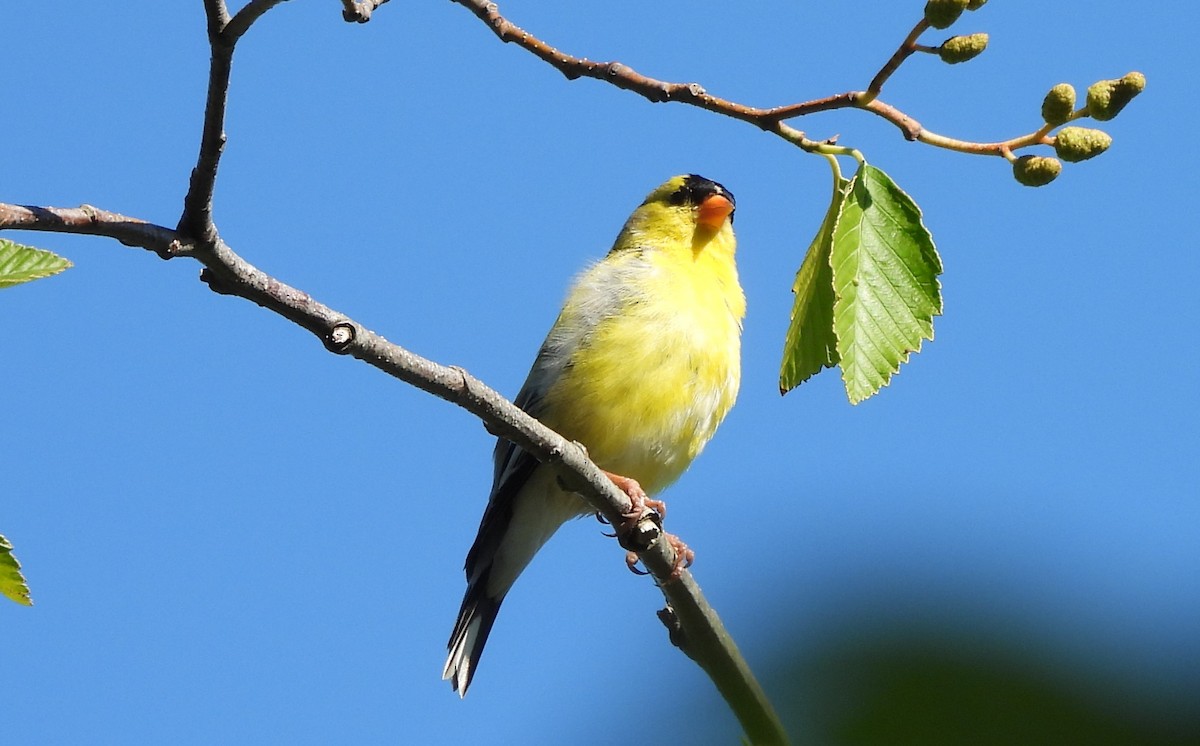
x=233, y=536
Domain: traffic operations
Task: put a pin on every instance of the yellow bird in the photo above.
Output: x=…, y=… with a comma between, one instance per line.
x=641, y=366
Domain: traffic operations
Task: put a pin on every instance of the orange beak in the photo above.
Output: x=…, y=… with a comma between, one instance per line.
x=713, y=211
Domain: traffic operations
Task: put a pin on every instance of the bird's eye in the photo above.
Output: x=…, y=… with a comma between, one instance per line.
x=678, y=197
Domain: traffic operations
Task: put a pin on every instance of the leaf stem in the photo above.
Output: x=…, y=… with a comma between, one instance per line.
x=836, y=167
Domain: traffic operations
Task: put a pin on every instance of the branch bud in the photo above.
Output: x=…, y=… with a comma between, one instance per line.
x=1036, y=170
x=1074, y=144
x=1059, y=104
x=1106, y=98
x=958, y=49
x=942, y=13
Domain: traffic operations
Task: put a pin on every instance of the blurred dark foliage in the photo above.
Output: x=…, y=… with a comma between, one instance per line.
x=958, y=684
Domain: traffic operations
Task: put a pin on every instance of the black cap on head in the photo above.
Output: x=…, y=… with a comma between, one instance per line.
x=696, y=189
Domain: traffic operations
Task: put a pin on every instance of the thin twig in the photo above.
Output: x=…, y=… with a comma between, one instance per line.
x=1038, y=137
x=907, y=47
x=769, y=119
x=223, y=35
x=616, y=73
x=245, y=18
x=197, y=217
x=93, y=221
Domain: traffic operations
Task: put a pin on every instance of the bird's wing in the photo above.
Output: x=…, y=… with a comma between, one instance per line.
x=526, y=506
x=598, y=294
x=513, y=527
x=513, y=464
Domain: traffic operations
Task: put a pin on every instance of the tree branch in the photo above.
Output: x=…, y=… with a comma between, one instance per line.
x=618, y=74
x=197, y=219
x=223, y=35
x=700, y=632
x=769, y=119
x=246, y=17
x=96, y=222
x=217, y=14
x=907, y=47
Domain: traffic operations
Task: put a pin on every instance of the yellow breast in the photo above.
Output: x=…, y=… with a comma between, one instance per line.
x=648, y=384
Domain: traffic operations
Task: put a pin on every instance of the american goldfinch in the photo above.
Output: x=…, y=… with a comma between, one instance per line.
x=640, y=367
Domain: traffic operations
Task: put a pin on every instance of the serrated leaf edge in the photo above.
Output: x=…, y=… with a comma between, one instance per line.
x=10, y=276
x=927, y=252
x=22, y=595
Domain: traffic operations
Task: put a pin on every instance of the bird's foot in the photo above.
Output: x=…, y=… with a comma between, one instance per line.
x=631, y=561
x=684, y=557
x=640, y=502
x=640, y=505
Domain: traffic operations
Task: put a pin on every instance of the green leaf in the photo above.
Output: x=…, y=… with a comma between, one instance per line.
x=885, y=271
x=810, y=344
x=12, y=583
x=24, y=263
